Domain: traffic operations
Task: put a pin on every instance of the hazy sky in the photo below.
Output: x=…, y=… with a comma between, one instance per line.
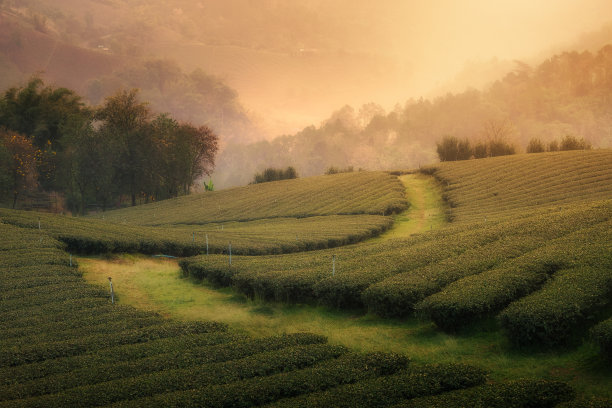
x=437, y=37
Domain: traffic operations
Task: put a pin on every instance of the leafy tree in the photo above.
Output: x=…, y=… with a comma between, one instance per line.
x=480, y=150
x=23, y=158
x=273, y=174
x=45, y=114
x=124, y=121
x=570, y=142
x=451, y=149
x=535, y=146
x=553, y=146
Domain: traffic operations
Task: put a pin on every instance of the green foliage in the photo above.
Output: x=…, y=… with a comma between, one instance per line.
x=272, y=174
x=484, y=294
x=593, y=402
x=545, y=318
x=127, y=153
x=387, y=390
x=602, y=335
x=511, y=394
x=346, y=369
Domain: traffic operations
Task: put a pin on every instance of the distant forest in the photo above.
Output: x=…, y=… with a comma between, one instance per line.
x=568, y=94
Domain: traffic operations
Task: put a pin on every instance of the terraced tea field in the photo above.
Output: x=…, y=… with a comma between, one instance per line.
x=373, y=193
x=528, y=257
x=64, y=344
x=269, y=218
x=507, y=260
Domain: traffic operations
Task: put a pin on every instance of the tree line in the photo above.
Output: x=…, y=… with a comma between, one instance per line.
x=567, y=94
x=51, y=141
x=451, y=148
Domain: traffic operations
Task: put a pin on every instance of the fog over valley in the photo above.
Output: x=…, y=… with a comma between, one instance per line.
x=314, y=84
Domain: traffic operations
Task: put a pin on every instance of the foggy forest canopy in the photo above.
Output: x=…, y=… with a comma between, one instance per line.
x=568, y=94
x=217, y=56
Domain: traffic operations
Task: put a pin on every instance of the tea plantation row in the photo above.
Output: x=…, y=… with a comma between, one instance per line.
x=279, y=235
x=345, y=193
x=64, y=344
x=505, y=186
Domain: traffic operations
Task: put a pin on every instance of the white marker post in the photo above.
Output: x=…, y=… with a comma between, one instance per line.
x=230, y=254
x=333, y=265
x=111, y=290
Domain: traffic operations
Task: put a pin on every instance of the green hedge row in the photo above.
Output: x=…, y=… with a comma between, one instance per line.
x=51, y=311
x=387, y=390
x=398, y=295
x=168, y=360
x=602, y=335
x=548, y=319
x=27, y=257
x=41, y=296
x=346, y=369
x=11, y=376
x=65, y=319
x=111, y=325
x=26, y=272
x=201, y=377
x=587, y=403
x=30, y=353
x=477, y=296
x=510, y=394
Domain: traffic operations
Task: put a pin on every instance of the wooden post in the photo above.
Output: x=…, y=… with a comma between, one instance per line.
x=112, y=292
x=193, y=237
x=206, y=244
x=333, y=265
x=230, y=254
x=70, y=259
x=39, y=223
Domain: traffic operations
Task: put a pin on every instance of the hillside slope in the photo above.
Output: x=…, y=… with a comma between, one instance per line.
x=526, y=242
x=508, y=186
x=346, y=193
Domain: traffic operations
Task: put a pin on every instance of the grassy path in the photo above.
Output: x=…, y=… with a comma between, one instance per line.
x=426, y=210
x=157, y=284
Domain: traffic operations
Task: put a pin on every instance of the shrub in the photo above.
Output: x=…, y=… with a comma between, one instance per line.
x=387, y=390
x=452, y=149
x=510, y=394
x=535, y=146
x=196, y=376
x=349, y=368
x=570, y=142
x=553, y=146
x=546, y=318
x=273, y=174
x=602, y=335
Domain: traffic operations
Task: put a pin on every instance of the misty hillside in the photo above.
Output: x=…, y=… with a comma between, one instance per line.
x=567, y=94
x=280, y=57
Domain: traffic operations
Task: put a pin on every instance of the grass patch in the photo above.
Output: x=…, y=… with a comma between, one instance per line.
x=157, y=284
